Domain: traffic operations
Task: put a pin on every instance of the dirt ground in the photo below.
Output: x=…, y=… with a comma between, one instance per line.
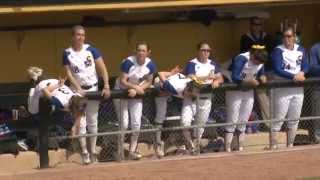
x=297, y=163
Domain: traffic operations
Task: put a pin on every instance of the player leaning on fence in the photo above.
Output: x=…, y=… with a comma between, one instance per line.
x=82, y=63
x=206, y=70
x=62, y=98
x=246, y=69
x=289, y=61
x=136, y=76
x=172, y=83
x=315, y=71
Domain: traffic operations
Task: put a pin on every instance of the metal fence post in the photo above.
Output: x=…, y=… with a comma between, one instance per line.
x=198, y=137
x=43, y=140
x=271, y=116
x=121, y=135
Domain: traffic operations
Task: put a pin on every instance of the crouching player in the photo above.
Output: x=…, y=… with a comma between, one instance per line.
x=246, y=69
x=63, y=98
x=176, y=84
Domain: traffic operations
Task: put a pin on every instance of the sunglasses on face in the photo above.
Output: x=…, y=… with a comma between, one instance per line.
x=205, y=50
x=287, y=36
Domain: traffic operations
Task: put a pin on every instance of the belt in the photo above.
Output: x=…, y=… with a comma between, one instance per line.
x=86, y=87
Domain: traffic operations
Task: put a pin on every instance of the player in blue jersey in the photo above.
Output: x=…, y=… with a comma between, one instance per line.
x=314, y=130
x=82, y=63
x=136, y=75
x=206, y=70
x=289, y=61
x=246, y=69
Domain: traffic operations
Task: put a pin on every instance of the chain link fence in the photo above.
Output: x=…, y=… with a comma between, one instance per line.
x=114, y=142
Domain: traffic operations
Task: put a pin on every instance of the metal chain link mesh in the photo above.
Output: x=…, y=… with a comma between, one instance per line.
x=172, y=136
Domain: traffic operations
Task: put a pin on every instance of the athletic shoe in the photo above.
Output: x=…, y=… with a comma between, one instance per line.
x=86, y=158
x=181, y=150
x=160, y=149
x=22, y=145
x=228, y=149
x=240, y=148
x=135, y=156
x=94, y=157
x=274, y=147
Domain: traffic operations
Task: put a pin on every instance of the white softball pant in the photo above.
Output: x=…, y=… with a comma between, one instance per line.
x=91, y=124
x=239, y=107
x=124, y=107
x=161, y=109
x=287, y=104
x=199, y=111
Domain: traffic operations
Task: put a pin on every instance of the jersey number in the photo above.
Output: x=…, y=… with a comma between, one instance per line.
x=75, y=69
x=63, y=90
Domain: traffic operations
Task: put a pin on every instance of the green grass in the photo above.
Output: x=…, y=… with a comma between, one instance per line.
x=311, y=178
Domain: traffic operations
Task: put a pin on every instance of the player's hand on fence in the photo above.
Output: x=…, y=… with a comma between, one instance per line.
x=251, y=82
x=212, y=76
x=263, y=79
x=215, y=84
x=139, y=90
x=299, y=77
x=132, y=92
x=176, y=70
x=105, y=92
x=81, y=92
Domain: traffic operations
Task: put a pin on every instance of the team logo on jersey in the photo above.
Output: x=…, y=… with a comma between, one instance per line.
x=88, y=61
x=75, y=69
x=299, y=60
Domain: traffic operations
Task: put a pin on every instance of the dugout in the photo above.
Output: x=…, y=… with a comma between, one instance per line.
x=35, y=32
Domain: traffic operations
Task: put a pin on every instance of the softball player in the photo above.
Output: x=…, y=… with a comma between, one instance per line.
x=161, y=107
x=206, y=70
x=81, y=62
x=136, y=76
x=171, y=83
x=314, y=130
x=289, y=62
x=246, y=68
x=63, y=98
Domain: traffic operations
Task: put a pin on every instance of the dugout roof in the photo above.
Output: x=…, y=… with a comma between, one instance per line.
x=34, y=6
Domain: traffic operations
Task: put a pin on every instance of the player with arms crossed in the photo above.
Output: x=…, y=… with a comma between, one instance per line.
x=82, y=63
x=289, y=61
x=246, y=69
x=136, y=76
x=206, y=70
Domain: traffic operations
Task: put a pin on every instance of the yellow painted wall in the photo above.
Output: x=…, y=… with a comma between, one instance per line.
x=171, y=43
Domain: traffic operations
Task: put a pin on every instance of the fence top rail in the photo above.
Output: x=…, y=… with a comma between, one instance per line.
x=207, y=88
x=12, y=89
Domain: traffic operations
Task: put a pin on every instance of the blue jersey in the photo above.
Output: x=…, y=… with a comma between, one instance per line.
x=176, y=84
x=82, y=64
x=243, y=69
x=199, y=69
x=315, y=60
x=287, y=63
x=136, y=73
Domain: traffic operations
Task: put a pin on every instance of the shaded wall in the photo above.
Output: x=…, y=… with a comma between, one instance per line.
x=172, y=43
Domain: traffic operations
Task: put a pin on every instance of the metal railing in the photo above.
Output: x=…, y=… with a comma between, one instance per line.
x=112, y=138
